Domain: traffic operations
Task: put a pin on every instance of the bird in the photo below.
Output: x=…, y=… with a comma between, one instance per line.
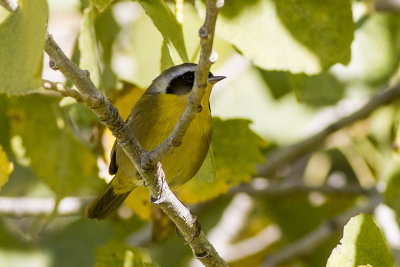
x=151, y=120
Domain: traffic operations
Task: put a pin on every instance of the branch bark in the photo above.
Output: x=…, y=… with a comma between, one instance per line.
x=147, y=163
x=288, y=154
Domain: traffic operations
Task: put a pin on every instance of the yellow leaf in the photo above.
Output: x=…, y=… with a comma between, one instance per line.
x=6, y=167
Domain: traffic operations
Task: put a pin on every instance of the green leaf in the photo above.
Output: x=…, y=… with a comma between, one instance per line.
x=101, y=4
x=21, y=47
x=148, y=63
x=278, y=82
x=90, y=55
x=392, y=192
x=375, y=53
x=117, y=253
x=234, y=160
x=317, y=90
x=107, y=30
x=166, y=59
x=169, y=27
x=51, y=148
x=207, y=169
x=362, y=244
x=296, y=35
x=74, y=244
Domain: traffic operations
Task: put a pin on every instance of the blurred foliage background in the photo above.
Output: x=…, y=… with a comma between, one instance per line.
x=279, y=184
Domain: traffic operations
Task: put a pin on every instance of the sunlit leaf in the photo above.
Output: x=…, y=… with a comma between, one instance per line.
x=166, y=59
x=362, y=244
x=375, y=51
x=101, y=4
x=207, y=170
x=21, y=47
x=234, y=160
x=296, y=36
x=62, y=243
x=392, y=192
x=316, y=90
x=89, y=50
x=117, y=253
x=53, y=151
x=107, y=30
x=6, y=167
x=166, y=23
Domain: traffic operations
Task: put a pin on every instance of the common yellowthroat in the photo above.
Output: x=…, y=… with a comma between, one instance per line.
x=151, y=120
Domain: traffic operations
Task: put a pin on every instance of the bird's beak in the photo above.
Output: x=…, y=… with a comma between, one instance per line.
x=215, y=79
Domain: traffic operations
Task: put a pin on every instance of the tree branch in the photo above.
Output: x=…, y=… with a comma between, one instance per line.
x=147, y=163
x=310, y=242
x=286, y=155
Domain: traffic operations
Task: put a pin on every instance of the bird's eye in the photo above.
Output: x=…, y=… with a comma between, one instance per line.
x=189, y=76
x=210, y=75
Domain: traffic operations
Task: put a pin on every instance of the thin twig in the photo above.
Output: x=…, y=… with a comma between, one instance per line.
x=286, y=155
x=147, y=163
x=311, y=241
x=63, y=90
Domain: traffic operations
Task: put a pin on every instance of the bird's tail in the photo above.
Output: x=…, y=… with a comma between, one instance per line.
x=107, y=202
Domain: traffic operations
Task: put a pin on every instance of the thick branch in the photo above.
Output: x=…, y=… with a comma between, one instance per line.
x=288, y=154
x=147, y=163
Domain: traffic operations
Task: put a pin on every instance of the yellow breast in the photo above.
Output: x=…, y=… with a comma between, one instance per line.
x=152, y=120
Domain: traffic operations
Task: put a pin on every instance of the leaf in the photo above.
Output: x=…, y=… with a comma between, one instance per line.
x=166, y=59
x=101, y=4
x=296, y=36
x=234, y=160
x=317, y=90
x=90, y=55
x=207, y=170
x=21, y=47
x=53, y=151
x=278, y=82
x=107, y=30
x=362, y=244
x=392, y=192
x=74, y=244
x=169, y=27
x=116, y=253
x=375, y=52
x=6, y=167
